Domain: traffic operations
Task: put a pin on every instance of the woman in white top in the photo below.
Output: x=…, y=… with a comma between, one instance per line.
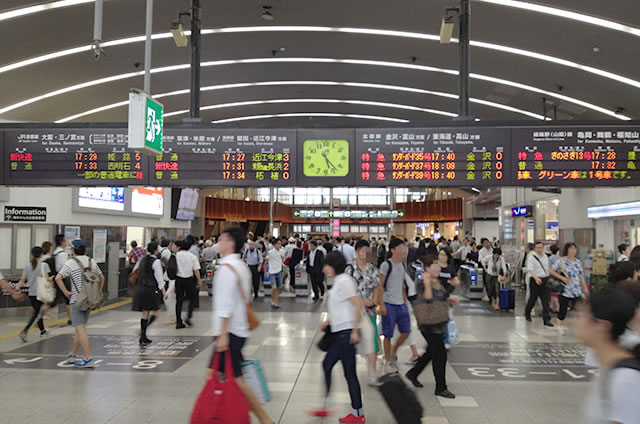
x=344, y=307
x=34, y=269
x=625, y=251
x=614, y=394
x=150, y=290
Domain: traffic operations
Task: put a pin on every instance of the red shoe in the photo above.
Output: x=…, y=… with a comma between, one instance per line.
x=352, y=419
x=320, y=412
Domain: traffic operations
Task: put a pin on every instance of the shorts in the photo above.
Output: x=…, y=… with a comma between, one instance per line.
x=235, y=350
x=79, y=317
x=276, y=280
x=396, y=315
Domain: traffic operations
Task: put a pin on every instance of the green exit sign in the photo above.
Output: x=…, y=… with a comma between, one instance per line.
x=145, y=123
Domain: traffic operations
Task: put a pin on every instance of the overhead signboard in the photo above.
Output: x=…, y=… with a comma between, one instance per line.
x=146, y=123
x=417, y=157
x=25, y=213
x=72, y=157
x=226, y=158
x=348, y=214
x=615, y=210
x=522, y=211
x=585, y=156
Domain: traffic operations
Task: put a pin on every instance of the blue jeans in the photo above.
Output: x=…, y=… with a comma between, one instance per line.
x=342, y=350
x=276, y=280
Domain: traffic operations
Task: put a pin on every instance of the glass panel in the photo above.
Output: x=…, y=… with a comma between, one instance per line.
x=23, y=246
x=306, y=228
x=42, y=235
x=344, y=228
x=5, y=248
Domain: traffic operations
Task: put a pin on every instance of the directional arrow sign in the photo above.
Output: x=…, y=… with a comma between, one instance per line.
x=330, y=213
x=401, y=213
x=22, y=360
x=296, y=213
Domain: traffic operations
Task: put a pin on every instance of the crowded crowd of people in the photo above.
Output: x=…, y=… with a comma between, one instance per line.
x=375, y=302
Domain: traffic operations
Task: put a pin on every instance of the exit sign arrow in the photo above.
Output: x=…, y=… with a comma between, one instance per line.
x=22, y=360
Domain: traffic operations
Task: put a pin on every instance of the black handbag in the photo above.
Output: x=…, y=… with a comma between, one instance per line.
x=326, y=339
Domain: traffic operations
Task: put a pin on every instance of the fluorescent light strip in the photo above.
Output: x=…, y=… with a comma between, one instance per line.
x=575, y=16
x=316, y=60
x=609, y=211
x=367, y=31
x=320, y=83
x=16, y=13
x=304, y=115
x=334, y=101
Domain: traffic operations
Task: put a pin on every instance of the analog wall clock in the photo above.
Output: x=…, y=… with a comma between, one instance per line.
x=326, y=158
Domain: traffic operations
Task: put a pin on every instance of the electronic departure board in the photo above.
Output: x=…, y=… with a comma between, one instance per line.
x=72, y=157
x=584, y=155
x=226, y=158
x=413, y=157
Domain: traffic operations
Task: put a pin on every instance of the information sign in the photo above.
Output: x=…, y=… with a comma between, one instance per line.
x=432, y=157
x=348, y=214
x=226, y=157
x=145, y=123
x=72, y=157
x=25, y=213
x=586, y=156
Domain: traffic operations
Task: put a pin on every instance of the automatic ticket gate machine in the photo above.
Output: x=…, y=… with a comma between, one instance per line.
x=471, y=282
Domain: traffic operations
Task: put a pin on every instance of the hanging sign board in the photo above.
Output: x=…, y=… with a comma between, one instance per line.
x=145, y=123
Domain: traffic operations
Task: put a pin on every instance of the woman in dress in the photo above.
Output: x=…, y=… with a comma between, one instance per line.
x=576, y=286
x=149, y=290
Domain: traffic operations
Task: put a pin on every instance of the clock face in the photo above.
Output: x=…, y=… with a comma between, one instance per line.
x=326, y=158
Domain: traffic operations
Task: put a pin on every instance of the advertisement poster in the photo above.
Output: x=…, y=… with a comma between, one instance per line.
x=72, y=233
x=100, y=245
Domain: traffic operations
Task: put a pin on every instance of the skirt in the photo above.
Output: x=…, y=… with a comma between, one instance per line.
x=146, y=299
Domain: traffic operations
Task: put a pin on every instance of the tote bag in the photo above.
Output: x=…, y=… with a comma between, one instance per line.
x=46, y=291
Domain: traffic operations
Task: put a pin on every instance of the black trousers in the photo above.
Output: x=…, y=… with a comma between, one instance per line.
x=342, y=350
x=185, y=289
x=538, y=291
x=564, y=306
x=317, y=284
x=437, y=353
x=36, y=314
x=255, y=278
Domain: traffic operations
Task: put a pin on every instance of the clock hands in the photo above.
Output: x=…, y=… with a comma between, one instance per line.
x=329, y=163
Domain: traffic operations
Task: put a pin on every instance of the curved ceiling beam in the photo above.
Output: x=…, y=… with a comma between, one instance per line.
x=532, y=7
x=566, y=14
x=321, y=83
x=319, y=114
x=333, y=101
x=316, y=60
x=366, y=31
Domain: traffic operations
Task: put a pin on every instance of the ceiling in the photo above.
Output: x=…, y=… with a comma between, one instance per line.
x=507, y=86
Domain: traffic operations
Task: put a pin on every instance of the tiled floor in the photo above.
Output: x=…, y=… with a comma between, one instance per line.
x=285, y=345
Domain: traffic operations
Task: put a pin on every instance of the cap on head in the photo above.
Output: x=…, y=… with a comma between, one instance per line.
x=78, y=244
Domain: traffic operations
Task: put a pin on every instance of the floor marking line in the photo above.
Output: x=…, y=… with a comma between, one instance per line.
x=64, y=320
x=55, y=355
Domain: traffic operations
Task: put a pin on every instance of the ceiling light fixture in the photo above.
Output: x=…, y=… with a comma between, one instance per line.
x=316, y=60
x=266, y=13
x=310, y=83
x=30, y=10
x=388, y=33
x=305, y=115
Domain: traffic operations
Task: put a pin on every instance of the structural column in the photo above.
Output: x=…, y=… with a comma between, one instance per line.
x=271, y=204
x=463, y=108
x=392, y=205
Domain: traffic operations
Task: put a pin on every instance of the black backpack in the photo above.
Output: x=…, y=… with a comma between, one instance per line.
x=51, y=261
x=382, y=254
x=172, y=267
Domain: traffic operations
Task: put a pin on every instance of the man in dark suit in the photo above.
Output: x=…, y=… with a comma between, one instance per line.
x=315, y=262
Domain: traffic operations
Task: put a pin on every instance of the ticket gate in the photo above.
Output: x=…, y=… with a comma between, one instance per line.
x=471, y=282
x=301, y=281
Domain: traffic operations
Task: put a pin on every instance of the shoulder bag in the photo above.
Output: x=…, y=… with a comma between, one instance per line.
x=434, y=313
x=252, y=318
x=46, y=290
x=556, y=285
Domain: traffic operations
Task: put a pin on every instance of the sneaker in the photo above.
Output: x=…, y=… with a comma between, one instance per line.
x=548, y=324
x=71, y=359
x=86, y=363
x=45, y=333
x=352, y=419
x=372, y=381
x=273, y=306
x=68, y=322
x=320, y=412
x=446, y=394
x=23, y=336
x=390, y=368
x=412, y=361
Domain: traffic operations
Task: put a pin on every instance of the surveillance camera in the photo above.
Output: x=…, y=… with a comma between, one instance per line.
x=179, y=37
x=446, y=29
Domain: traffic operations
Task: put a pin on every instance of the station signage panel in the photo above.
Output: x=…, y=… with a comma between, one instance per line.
x=69, y=156
x=348, y=214
x=522, y=211
x=418, y=157
x=226, y=158
x=570, y=156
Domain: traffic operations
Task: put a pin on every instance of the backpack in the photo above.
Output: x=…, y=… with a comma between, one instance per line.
x=172, y=267
x=631, y=363
x=404, y=282
x=382, y=254
x=51, y=261
x=90, y=294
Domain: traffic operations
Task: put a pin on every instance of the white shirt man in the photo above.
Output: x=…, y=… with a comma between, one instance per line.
x=485, y=251
x=227, y=299
x=209, y=253
x=348, y=252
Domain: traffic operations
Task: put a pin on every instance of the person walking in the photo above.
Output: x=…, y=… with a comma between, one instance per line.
x=344, y=310
x=188, y=282
x=430, y=290
x=59, y=258
x=253, y=258
x=366, y=276
x=167, y=249
x=149, y=290
x=495, y=268
x=315, y=261
x=275, y=259
x=538, y=267
x=74, y=269
x=575, y=285
x=231, y=291
x=393, y=306
x=34, y=269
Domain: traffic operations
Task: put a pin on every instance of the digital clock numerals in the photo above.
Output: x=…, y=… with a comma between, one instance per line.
x=326, y=158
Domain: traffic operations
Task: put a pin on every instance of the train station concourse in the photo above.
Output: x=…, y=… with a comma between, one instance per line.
x=234, y=212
